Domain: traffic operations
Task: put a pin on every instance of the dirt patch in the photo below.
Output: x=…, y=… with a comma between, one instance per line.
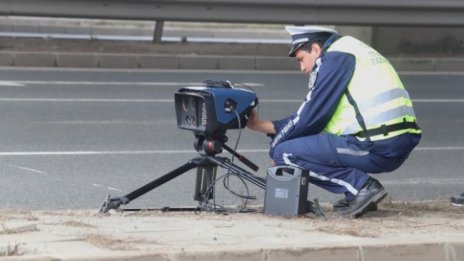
x=395, y=218
x=432, y=208
x=393, y=222
x=112, y=243
x=18, y=229
x=9, y=214
x=73, y=223
x=391, y=218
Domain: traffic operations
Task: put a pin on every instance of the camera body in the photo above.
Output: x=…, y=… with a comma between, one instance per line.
x=213, y=108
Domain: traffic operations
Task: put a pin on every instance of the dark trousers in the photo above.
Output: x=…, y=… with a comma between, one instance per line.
x=340, y=164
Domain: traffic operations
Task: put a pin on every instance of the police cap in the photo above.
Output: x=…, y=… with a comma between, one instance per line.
x=304, y=34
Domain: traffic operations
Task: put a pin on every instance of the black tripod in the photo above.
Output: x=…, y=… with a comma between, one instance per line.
x=206, y=165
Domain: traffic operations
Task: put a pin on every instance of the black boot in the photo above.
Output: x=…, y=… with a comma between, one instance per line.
x=342, y=204
x=371, y=193
x=458, y=200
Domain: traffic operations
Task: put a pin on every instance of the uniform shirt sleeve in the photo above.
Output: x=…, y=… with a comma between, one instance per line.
x=280, y=124
x=333, y=76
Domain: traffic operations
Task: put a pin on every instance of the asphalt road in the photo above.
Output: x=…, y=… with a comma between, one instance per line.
x=68, y=138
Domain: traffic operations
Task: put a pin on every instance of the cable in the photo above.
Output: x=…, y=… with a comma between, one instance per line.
x=210, y=189
x=247, y=197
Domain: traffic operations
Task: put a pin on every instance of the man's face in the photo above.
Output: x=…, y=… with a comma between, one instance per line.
x=307, y=59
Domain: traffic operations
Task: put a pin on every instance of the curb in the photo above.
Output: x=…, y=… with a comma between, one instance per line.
x=413, y=232
x=201, y=62
x=428, y=64
x=410, y=252
x=378, y=251
x=142, y=61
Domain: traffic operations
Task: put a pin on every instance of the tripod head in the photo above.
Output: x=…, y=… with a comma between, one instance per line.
x=214, y=145
x=210, y=146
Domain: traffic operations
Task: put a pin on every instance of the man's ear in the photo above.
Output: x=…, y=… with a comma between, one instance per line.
x=316, y=48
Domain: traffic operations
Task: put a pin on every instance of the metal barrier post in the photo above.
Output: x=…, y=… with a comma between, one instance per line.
x=158, y=33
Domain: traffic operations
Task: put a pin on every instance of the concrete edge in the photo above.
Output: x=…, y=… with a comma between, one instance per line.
x=420, y=251
x=379, y=252
x=200, y=62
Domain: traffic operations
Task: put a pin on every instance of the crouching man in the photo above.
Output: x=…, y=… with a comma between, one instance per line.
x=357, y=118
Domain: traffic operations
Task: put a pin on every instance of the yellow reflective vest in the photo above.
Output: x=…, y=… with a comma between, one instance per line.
x=376, y=90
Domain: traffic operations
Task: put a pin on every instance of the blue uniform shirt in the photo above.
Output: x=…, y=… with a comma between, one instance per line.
x=333, y=73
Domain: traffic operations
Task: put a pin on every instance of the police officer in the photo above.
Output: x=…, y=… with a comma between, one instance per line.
x=357, y=118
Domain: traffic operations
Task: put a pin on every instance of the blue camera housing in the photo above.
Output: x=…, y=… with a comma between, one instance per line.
x=213, y=108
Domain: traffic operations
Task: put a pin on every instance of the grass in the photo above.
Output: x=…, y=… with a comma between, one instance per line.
x=73, y=223
x=18, y=230
x=12, y=250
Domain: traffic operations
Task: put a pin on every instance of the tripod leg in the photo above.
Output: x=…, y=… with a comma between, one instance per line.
x=206, y=174
x=115, y=202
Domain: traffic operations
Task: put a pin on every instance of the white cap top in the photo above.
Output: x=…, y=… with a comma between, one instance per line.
x=303, y=34
x=294, y=30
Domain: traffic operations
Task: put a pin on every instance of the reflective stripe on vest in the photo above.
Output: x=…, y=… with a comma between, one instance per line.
x=383, y=98
x=383, y=116
x=379, y=119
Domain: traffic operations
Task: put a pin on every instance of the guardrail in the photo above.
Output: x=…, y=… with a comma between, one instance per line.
x=342, y=12
x=337, y=12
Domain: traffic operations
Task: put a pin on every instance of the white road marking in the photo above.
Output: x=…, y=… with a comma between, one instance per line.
x=439, y=148
x=172, y=100
x=23, y=83
x=428, y=73
x=281, y=100
x=28, y=169
x=414, y=100
x=437, y=100
x=83, y=153
x=107, y=187
x=139, y=123
x=425, y=180
x=7, y=83
x=83, y=100
x=142, y=152
x=160, y=84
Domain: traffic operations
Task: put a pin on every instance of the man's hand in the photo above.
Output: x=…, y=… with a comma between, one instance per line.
x=253, y=120
x=256, y=124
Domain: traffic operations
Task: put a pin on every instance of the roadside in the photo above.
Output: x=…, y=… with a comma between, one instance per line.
x=132, y=55
x=138, y=47
x=30, y=52
x=180, y=53
x=398, y=231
